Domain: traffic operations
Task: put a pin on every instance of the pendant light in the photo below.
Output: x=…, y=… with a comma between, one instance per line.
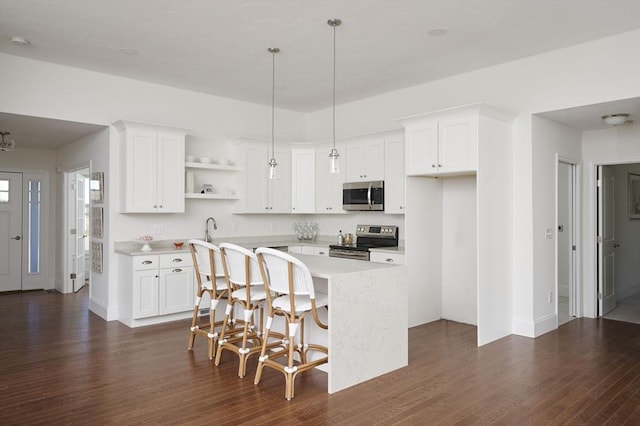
x=334, y=157
x=273, y=164
x=6, y=145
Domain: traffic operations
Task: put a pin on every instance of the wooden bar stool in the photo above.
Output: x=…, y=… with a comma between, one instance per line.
x=246, y=290
x=290, y=294
x=209, y=272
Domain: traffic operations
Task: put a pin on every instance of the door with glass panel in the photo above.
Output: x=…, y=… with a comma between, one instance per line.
x=11, y=231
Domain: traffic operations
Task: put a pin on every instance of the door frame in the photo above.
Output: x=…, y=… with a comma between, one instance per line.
x=575, y=291
x=67, y=282
x=590, y=233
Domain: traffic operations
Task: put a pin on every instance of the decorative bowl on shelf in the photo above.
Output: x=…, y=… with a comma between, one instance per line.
x=178, y=245
x=190, y=158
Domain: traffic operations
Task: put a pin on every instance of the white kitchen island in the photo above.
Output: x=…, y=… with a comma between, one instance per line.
x=368, y=318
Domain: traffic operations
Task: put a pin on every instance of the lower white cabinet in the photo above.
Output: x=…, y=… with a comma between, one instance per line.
x=314, y=250
x=161, y=285
x=385, y=257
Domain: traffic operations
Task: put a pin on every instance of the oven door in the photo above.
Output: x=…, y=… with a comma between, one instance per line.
x=358, y=196
x=349, y=254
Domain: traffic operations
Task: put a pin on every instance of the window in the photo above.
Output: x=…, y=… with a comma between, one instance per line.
x=4, y=190
x=34, y=199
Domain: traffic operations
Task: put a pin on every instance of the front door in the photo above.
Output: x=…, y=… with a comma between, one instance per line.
x=606, y=240
x=10, y=231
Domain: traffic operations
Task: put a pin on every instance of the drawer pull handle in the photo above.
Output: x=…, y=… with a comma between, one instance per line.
x=177, y=270
x=147, y=262
x=177, y=260
x=389, y=259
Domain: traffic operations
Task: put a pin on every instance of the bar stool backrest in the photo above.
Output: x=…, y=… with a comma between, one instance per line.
x=276, y=265
x=203, y=252
x=235, y=257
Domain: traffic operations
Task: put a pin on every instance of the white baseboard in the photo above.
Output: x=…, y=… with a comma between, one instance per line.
x=533, y=329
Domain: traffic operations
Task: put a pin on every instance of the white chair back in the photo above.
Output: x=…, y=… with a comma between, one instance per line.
x=276, y=265
x=201, y=252
x=235, y=257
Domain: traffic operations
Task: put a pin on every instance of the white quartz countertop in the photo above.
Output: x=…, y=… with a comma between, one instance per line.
x=327, y=267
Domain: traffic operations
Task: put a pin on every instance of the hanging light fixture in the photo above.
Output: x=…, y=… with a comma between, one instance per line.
x=6, y=145
x=273, y=164
x=334, y=156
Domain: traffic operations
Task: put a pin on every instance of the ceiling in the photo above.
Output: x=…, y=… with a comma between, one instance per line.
x=219, y=47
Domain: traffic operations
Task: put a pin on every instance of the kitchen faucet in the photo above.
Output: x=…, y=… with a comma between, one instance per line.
x=207, y=235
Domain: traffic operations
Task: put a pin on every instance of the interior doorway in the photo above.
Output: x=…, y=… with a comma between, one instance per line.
x=566, y=244
x=77, y=229
x=617, y=242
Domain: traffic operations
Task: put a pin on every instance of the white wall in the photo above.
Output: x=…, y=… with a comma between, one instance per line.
x=549, y=139
x=611, y=146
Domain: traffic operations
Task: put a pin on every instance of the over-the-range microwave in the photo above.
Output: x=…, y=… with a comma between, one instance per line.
x=363, y=196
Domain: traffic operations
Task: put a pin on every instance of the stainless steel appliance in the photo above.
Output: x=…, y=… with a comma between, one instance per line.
x=367, y=237
x=357, y=196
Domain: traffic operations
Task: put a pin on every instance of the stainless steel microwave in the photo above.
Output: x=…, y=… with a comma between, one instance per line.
x=367, y=196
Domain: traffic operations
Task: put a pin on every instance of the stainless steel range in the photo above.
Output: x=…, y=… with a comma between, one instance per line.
x=367, y=237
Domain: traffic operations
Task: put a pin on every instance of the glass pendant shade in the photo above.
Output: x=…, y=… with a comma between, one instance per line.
x=273, y=169
x=334, y=161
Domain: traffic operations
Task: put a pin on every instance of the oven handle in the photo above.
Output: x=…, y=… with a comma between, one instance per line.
x=346, y=253
x=369, y=194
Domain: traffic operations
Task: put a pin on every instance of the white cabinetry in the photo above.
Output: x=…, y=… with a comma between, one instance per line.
x=314, y=250
x=394, y=176
x=264, y=195
x=159, y=285
x=442, y=146
x=152, y=168
x=303, y=179
x=386, y=257
x=365, y=159
x=329, y=185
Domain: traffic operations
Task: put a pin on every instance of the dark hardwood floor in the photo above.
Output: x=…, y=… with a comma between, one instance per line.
x=60, y=364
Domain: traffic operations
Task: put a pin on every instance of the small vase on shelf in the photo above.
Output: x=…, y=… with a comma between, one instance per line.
x=145, y=242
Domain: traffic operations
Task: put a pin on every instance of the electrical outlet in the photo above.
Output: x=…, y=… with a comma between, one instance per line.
x=158, y=229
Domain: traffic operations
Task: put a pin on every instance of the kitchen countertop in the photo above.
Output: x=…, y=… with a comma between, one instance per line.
x=132, y=248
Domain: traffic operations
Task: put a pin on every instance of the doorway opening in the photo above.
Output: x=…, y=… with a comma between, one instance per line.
x=77, y=271
x=618, y=241
x=566, y=241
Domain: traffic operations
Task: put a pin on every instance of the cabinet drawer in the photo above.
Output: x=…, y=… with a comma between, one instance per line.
x=394, y=258
x=142, y=263
x=175, y=260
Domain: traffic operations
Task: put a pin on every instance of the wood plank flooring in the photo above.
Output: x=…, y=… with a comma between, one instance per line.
x=60, y=364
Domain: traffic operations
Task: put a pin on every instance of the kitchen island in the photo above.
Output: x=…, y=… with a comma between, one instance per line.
x=367, y=317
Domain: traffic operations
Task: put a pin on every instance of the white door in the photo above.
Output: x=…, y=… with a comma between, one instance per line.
x=566, y=245
x=80, y=235
x=10, y=231
x=606, y=240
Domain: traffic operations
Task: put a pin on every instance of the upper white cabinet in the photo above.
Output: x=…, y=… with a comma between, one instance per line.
x=303, y=179
x=394, y=174
x=365, y=159
x=329, y=185
x=261, y=194
x=152, y=168
x=442, y=145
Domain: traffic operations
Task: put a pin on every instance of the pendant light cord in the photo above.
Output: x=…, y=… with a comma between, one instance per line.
x=334, y=86
x=273, y=102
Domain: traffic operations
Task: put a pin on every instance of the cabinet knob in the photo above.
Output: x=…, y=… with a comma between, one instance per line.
x=433, y=165
x=177, y=270
x=321, y=253
x=293, y=208
x=177, y=260
x=147, y=262
x=439, y=165
x=160, y=205
x=389, y=260
x=155, y=206
x=270, y=208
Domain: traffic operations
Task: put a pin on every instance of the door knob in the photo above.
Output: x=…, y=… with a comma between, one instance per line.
x=17, y=238
x=616, y=245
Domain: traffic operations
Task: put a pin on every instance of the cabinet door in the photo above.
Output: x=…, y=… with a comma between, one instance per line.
x=279, y=190
x=354, y=162
x=329, y=185
x=321, y=251
x=374, y=159
x=295, y=249
x=421, y=149
x=458, y=144
x=380, y=257
x=256, y=179
x=141, y=172
x=170, y=173
x=176, y=290
x=145, y=293
x=303, y=179
x=394, y=177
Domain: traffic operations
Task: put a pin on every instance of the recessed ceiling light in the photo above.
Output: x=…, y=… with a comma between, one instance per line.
x=127, y=51
x=438, y=32
x=19, y=41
